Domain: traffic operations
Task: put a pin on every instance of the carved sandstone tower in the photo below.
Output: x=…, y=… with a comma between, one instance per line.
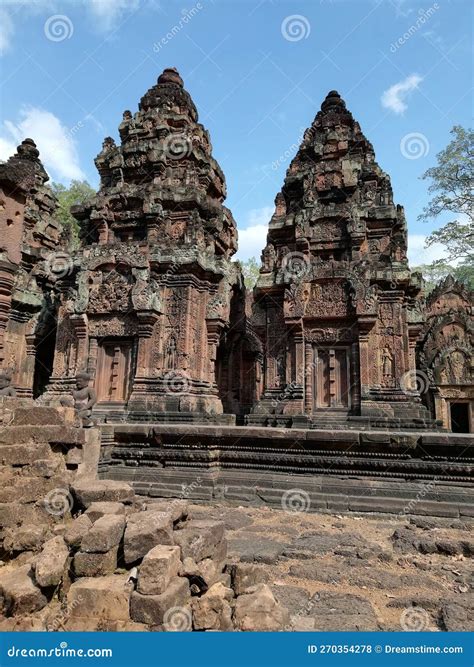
x=149, y=298
x=29, y=257
x=335, y=304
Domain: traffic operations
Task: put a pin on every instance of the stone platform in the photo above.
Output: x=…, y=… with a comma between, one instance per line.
x=344, y=470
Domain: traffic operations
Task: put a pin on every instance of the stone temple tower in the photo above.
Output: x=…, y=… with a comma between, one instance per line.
x=335, y=303
x=148, y=301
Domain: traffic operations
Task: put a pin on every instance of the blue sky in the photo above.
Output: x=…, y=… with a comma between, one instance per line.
x=257, y=70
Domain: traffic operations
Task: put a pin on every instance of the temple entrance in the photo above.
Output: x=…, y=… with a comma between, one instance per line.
x=459, y=417
x=331, y=386
x=113, y=377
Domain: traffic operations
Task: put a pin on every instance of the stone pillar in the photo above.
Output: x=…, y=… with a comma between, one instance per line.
x=308, y=378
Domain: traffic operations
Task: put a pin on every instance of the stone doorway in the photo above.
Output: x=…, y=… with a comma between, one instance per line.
x=331, y=379
x=459, y=413
x=113, y=377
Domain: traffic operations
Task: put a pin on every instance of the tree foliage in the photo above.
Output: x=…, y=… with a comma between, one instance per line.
x=452, y=192
x=434, y=273
x=78, y=192
x=250, y=270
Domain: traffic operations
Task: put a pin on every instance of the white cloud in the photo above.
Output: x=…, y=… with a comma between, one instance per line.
x=108, y=13
x=6, y=31
x=54, y=140
x=418, y=254
x=394, y=98
x=253, y=238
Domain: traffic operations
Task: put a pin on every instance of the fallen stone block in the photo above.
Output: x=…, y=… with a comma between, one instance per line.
x=104, y=534
x=107, y=598
x=246, y=575
x=177, y=508
x=95, y=564
x=159, y=567
x=19, y=593
x=98, y=510
x=77, y=530
x=25, y=538
x=50, y=564
x=144, y=531
x=87, y=491
x=212, y=610
x=201, y=539
x=152, y=609
x=257, y=610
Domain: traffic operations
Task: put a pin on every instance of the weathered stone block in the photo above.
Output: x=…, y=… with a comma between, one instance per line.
x=258, y=610
x=151, y=609
x=18, y=592
x=87, y=491
x=104, y=534
x=97, y=510
x=201, y=539
x=246, y=575
x=77, y=530
x=158, y=568
x=100, y=597
x=95, y=564
x=144, y=531
x=50, y=564
x=25, y=538
x=212, y=611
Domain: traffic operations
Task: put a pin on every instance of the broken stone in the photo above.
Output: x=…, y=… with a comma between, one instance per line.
x=87, y=491
x=201, y=539
x=50, y=564
x=159, y=567
x=144, y=531
x=104, y=534
x=246, y=575
x=212, y=610
x=18, y=592
x=95, y=564
x=98, y=510
x=151, y=609
x=100, y=597
x=458, y=616
x=257, y=610
x=177, y=508
x=25, y=538
x=76, y=530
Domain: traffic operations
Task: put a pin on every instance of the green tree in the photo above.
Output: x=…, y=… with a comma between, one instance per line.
x=434, y=273
x=78, y=192
x=250, y=270
x=452, y=192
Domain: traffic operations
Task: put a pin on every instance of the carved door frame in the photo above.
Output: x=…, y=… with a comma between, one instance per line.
x=337, y=387
x=118, y=343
